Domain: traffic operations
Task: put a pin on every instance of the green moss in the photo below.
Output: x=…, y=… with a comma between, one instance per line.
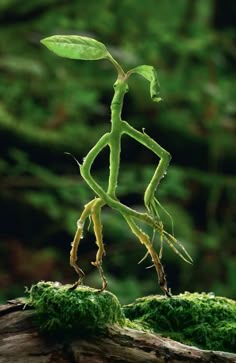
x=203, y=320
x=197, y=319
x=82, y=310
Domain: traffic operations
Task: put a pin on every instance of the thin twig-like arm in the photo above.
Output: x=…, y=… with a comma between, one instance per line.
x=85, y=170
x=159, y=151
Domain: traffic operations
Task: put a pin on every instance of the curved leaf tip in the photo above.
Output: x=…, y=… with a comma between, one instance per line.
x=150, y=74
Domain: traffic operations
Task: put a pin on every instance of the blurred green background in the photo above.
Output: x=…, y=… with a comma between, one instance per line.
x=49, y=105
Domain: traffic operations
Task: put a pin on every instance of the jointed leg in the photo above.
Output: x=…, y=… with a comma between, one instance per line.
x=92, y=209
x=97, y=226
x=76, y=241
x=144, y=239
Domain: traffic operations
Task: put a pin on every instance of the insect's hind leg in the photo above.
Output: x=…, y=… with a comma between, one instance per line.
x=97, y=226
x=76, y=242
x=144, y=239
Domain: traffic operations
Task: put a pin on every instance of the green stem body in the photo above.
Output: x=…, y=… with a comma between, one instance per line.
x=121, y=88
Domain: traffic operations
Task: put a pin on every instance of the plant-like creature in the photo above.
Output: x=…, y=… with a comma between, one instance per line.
x=84, y=48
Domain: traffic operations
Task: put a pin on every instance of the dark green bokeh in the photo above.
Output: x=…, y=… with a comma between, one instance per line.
x=49, y=105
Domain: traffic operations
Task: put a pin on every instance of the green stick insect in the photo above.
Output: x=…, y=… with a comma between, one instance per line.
x=84, y=48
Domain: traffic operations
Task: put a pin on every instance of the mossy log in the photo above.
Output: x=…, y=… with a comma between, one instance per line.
x=22, y=342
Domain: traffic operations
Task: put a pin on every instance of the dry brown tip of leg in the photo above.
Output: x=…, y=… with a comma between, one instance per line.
x=163, y=286
x=104, y=285
x=76, y=284
x=167, y=292
x=81, y=274
x=101, y=273
x=161, y=277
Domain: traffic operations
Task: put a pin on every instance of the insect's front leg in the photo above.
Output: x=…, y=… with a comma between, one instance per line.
x=85, y=168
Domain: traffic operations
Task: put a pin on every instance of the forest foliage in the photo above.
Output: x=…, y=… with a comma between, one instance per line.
x=45, y=110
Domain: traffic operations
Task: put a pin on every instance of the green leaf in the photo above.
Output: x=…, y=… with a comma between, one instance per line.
x=76, y=47
x=150, y=74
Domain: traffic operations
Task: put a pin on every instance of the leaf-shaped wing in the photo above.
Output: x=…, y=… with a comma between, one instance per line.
x=76, y=47
x=150, y=74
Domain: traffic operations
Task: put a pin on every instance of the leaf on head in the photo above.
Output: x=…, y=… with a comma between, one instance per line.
x=76, y=47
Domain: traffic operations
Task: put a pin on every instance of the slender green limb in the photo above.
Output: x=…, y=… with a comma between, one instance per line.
x=155, y=206
x=159, y=151
x=171, y=240
x=85, y=168
x=144, y=239
x=160, y=230
x=76, y=241
x=100, y=145
x=97, y=227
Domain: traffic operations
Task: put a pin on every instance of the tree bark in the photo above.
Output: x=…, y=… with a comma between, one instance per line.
x=21, y=342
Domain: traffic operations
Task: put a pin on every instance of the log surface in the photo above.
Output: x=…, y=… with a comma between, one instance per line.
x=21, y=342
